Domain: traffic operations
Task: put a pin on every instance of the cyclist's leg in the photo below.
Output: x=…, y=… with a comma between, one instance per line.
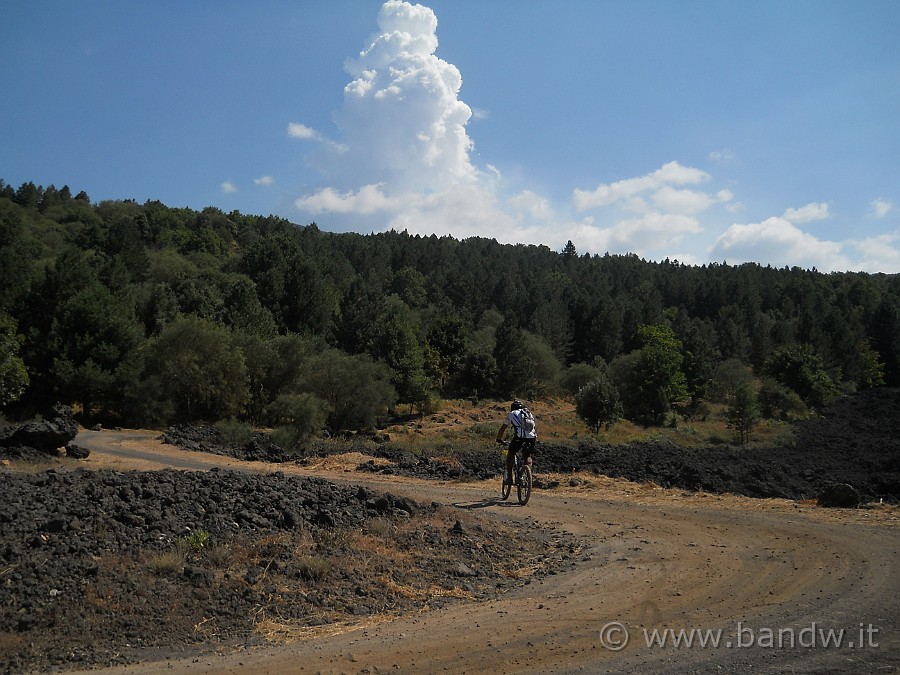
x=509, y=464
x=514, y=446
x=528, y=451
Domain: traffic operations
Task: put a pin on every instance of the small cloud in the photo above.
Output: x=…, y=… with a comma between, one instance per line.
x=881, y=207
x=228, y=187
x=808, y=213
x=723, y=155
x=298, y=130
x=724, y=196
x=366, y=201
x=264, y=180
x=625, y=191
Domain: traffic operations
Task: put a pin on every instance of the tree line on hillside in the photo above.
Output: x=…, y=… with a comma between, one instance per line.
x=147, y=314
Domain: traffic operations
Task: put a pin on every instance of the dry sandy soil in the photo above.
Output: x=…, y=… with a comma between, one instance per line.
x=766, y=578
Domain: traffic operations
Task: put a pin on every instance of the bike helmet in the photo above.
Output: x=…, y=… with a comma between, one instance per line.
x=516, y=405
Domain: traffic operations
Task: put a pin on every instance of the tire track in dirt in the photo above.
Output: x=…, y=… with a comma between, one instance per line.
x=651, y=559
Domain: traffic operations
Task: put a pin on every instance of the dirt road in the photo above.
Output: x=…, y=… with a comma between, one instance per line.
x=773, y=583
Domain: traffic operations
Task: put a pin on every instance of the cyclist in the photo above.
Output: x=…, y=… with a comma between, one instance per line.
x=525, y=435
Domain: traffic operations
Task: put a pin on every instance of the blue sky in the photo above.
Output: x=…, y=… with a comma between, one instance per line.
x=764, y=131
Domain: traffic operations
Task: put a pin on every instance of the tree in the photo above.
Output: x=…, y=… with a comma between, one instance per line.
x=779, y=402
x=701, y=355
x=577, y=375
x=396, y=343
x=801, y=368
x=91, y=334
x=730, y=375
x=301, y=415
x=514, y=368
x=479, y=373
x=13, y=376
x=869, y=370
x=274, y=368
x=886, y=337
x=650, y=378
x=597, y=402
x=355, y=388
x=409, y=285
x=448, y=337
x=742, y=412
x=193, y=372
x=17, y=251
x=544, y=366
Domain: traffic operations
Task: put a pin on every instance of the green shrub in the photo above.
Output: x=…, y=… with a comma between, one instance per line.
x=232, y=432
x=194, y=542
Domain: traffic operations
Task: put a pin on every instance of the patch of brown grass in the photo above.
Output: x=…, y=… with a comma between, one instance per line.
x=459, y=423
x=328, y=624
x=428, y=593
x=346, y=461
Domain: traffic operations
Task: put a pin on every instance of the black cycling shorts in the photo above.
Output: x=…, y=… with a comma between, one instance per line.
x=526, y=444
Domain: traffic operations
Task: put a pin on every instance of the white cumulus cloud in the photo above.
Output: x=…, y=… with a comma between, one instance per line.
x=881, y=253
x=778, y=242
x=298, y=130
x=228, y=187
x=881, y=207
x=264, y=180
x=808, y=213
x=401, y=123
x=367, y=200
x=668, y=175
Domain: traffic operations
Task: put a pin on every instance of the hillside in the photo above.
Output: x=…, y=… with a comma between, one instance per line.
x=146, y=315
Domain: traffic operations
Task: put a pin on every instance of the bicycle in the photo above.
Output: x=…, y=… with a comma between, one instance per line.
x=522, y=479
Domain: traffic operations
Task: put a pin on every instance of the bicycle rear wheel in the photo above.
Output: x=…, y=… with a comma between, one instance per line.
x=523, y=485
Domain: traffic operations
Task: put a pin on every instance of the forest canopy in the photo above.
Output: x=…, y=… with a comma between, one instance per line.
x=149, y=314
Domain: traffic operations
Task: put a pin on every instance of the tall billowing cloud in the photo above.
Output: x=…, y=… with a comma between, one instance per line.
x=402, y=125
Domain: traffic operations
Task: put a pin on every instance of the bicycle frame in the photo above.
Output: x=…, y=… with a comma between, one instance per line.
x=522, y=479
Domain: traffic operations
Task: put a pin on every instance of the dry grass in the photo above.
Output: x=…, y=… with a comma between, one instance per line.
x=343, y=461
x=432, y=591
x=519, y=572
x=218, y=555
x=286, y=631
x=380, y=546
x=313, y=567
x=168, y=562
x=459, y=424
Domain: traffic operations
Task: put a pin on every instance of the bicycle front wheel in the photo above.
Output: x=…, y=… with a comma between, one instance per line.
x=523, y=486
x=505, y=488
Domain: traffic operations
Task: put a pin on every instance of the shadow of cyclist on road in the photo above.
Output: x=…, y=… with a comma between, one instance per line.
x=484, y=503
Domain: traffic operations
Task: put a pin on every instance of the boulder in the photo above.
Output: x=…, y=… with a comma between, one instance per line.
x=839, y=495
x=76, y=451
x=47, y=435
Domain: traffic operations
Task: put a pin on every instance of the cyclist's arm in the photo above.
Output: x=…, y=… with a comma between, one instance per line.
x=502, y=432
